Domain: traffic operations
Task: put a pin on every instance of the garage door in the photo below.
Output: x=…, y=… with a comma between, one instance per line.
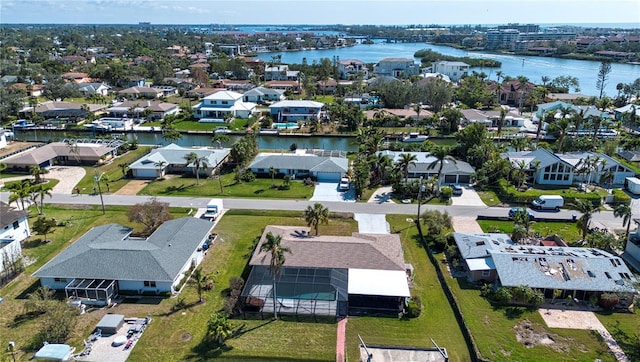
x=329, y=176
x=450, y=179
x=145, y=173
x=464, y=179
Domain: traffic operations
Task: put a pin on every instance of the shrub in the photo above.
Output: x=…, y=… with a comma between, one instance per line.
x=608, y=300
x=620, y=197
x=502, y=296
x=536, y=299
x=179, y=304
x=445, y=193
x=247, y=176
x=414, y=307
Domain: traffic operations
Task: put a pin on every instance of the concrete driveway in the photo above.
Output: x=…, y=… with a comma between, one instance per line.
x=372, y=223
x=469, y=197
x=328, y=191
x=69, y=177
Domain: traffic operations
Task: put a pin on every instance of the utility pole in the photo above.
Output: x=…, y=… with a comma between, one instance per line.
x=96, y=179
x=421, y=189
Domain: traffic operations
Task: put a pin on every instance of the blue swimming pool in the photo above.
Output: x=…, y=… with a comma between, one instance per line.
x=289, y=125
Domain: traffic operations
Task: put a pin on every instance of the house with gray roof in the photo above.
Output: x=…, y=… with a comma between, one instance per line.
x=396, y=67
x=108, y=260
x=577, y=272
x=547, y=168
x=72, y=152
x=262, y=95
x=14, y=228
x=427, y=166
x=328, y=275
x=171, y=159
x=322, y=168
x=219, y=106
x=88, y=89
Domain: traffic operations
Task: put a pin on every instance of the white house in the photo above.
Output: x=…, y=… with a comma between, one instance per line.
x=263, y=94
x=217, y=106
x=87, y=89
x=280, y=72
x=453, y=70
x=295, y=110
x=396, y=67
x=322, y=168
x=107, y=260
x=14, y=227
x=547, y=168
x=171, y=159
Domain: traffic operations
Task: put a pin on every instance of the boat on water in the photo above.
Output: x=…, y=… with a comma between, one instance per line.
x=414, y=137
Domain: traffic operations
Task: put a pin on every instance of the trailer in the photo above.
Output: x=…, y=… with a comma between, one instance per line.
x=632, y=185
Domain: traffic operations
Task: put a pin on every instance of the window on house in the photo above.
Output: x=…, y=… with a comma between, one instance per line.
x=546, y=176
x=225, y=102
x=151, y=284
x=60, y=280
x=16, y=224
x=486, y=273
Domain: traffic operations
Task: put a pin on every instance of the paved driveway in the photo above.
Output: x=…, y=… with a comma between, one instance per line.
x=469, y=197
x=372, y=223
x=328, y=191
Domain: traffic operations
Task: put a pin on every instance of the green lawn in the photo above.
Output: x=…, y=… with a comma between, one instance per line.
x=238, y=124
x=261, y=187
x=112, y=172
x=489, y=197
x=568, y=231
x=625, y=329
x=494, y=331
x=437, y=320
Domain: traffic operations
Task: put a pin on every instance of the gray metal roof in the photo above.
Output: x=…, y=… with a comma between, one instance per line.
x=107, y=252
x=296, y=162
x=424, y=160
x=359, y=251
x=175, y=155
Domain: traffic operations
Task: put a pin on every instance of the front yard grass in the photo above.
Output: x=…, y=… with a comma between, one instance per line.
x=437, y=320
x=262, y=188
x=112, y=172
x=567, y=231
x=494, y=330
x=625, y=329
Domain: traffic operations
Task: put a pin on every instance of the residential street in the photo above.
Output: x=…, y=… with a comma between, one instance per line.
x=606, y=218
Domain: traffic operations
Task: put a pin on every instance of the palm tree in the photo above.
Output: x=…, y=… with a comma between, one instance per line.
x=197, y=162
x=123, y=167
x=406, y=160
x=441, y=154
x=37, y=172
x=219, y=328
x=596, y=122
x=160, y=166
x=563, y=128
x=272, y=245
x=381, y=164
x=19, y=191
x=316, y=214
x=587, y=209
x=624, y=211
x=199, y=280
x=42, y=192
x=272, y=173
x=417, y=108
x=220, y=139
x=503, y=115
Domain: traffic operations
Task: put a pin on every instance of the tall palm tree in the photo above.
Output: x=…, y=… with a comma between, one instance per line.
x=37, y=172
x=124, y=167
x=272, y=245
x=42, y=192
x=220, y=139
x=197, y=162
x=596, y=123
x=272, y=173
x=160, y=166
x=441, y=154
x=315, y=215
x=199, y=280
x=19, y=192
x=417, y=108
x=380, y=164
x=624, y=211
x=587, y=209
x=503, y=115
x=563, y=128
x=406, y=160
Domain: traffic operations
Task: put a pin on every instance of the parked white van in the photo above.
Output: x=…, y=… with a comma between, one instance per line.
x=548, y=202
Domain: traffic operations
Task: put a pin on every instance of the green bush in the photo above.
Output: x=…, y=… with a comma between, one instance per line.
x=507, y=193
x=502, y=296
x=620, y=197
x=445, y=193
x=414, y=307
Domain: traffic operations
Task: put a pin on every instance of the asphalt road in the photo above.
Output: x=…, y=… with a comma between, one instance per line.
x=605, y=218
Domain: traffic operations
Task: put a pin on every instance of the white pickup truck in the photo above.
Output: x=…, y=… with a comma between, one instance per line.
x=214, y=208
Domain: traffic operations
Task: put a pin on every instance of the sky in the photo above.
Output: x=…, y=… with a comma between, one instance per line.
x=378, y=12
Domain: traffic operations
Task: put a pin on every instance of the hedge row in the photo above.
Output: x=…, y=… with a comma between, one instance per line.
x=508, y=194
x=620, y=197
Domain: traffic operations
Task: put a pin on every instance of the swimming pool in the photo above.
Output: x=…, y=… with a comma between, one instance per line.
x=289, y=125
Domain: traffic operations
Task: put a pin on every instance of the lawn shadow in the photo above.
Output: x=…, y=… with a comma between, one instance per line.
x=30, y=289
x=258, y=192
x=207, y=350
x=172, y=189
x=510, y=312
x=630, y=344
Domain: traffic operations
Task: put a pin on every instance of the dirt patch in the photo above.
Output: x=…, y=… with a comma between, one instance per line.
x=186, y=336
x=132, y=187
x=533, y=334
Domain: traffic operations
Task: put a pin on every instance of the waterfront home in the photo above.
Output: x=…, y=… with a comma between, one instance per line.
x=577, y=272
x=295, y=110
x=171, y=159
x=426, y=165
x=546, y=168
x=557, y=107
x=453, y=70
x=84, y=152
x=14, y=228
x=220, y=106
x=108, y=260
x=136, y=109
x=491, y=118
x=69, y=111
x=321, y=168
x=396, y=67
x=328, y=275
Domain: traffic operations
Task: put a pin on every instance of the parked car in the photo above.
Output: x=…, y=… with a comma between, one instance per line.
x=457, y=189
x=548, y=202
x=515, y=210
x=344, y=184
